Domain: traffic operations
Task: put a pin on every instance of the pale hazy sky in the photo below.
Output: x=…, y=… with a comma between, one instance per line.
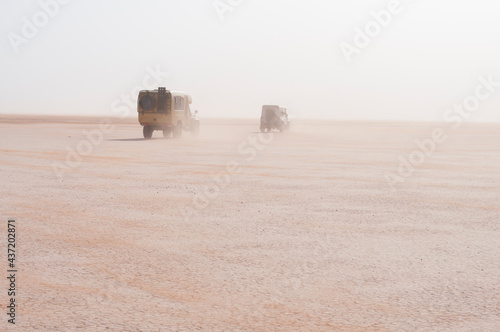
x=90, y=53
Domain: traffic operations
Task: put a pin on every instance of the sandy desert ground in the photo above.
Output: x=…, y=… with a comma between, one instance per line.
x=232, y=231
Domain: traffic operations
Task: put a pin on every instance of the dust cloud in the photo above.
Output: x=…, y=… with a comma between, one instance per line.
x=243, y=231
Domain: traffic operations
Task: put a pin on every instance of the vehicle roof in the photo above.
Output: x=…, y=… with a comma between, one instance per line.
x=174, y=94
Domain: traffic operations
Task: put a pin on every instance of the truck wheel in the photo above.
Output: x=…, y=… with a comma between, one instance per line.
x=262, y=129
x=147, y=132
x=178, y=131
x=167, y=132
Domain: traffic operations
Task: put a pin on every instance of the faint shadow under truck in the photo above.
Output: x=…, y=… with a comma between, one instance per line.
x=167, y=111
x=274, y=117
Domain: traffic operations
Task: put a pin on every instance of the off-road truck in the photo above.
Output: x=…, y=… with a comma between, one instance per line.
x=274, y=117
x=167, y=111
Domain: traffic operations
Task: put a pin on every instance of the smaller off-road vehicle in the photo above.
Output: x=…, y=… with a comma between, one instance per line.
x=166, y=111
x=274, y=117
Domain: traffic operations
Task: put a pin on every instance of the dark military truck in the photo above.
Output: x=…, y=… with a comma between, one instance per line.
x=274, y=117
